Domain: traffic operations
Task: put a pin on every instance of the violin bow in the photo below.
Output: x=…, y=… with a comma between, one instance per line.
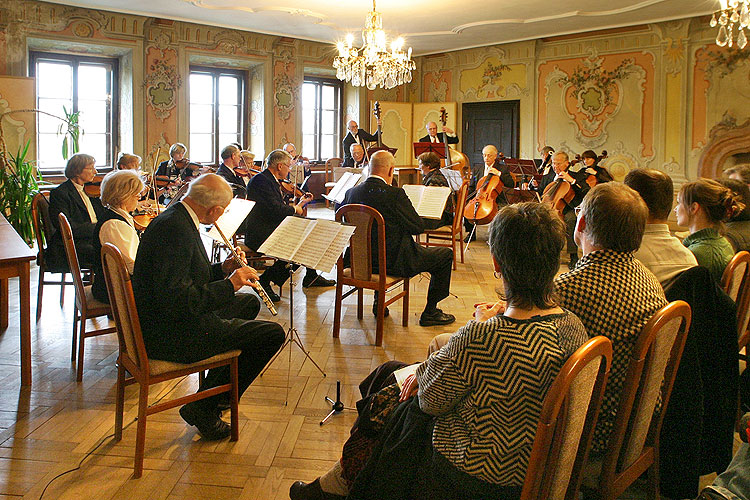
x=153, y=180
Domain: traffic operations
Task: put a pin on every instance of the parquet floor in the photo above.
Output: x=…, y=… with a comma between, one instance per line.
x=50, y=428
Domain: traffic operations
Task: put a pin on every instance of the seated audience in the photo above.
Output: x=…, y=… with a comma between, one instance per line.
x=663, y=254
x=81, y=210
x=610, y=290
x=429, y=164
x=121, y=190
x=739, y=173
x=469, y=429
x=128, y=162
x=703, y=206
x=738, y=226
x=404, y=257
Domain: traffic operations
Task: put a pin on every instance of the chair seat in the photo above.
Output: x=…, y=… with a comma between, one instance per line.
x=158, y=366
x=93, y=306
x=448, y=230
x=389, y=280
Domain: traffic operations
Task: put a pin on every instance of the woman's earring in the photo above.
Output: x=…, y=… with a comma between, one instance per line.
x=498, y=276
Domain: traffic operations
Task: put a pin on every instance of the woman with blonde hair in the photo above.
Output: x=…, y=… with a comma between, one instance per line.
x=121, y=190
x=127, y=161
x=703, y=206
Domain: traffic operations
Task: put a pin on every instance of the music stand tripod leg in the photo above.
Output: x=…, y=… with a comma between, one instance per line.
x=336, y=406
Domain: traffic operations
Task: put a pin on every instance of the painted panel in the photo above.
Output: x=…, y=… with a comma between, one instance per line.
x=396, y=127
x=18, y=93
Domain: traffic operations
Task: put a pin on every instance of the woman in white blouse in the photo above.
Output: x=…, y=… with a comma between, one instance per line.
x=121, y=190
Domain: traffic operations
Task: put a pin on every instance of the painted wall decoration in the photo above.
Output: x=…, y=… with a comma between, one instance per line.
x=493, y=79
x=162, y=83
x=17, y=93
x=396, y=127
x=437, y=86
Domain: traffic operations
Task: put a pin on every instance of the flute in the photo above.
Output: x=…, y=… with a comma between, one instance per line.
x=259, y=289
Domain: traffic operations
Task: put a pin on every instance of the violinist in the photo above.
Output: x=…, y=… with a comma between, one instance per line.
x=357, y=157
x=231, y=159
x=127, y=161
x=269, y=211
x=592, y=168
x=178, y=165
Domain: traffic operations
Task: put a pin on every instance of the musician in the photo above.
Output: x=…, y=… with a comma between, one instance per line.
x=429, y=164
x=492, y=165
x=544, y=164
x=404, y=257
x=357, y=135
x=447, y=135
x=127, y=161
x=269, y=211
x=592, y=167
x=121, y=190
x=356, y=157
x=198, y=313
x=81, y=210
x=177, y=165
x=231, y=160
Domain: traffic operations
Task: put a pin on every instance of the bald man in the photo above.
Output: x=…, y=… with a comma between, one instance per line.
x=404, y=257
x=357, y=158
x=189, y=309
x=356, y=135
x=447, y=135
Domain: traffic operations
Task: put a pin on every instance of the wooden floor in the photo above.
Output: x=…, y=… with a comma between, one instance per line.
x=49, y=428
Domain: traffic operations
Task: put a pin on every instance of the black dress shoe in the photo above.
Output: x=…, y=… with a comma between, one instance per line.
x=386, y=312
x=210, y=426
x=310, y=491
x=437, y=317
x=269, y=291
x=316, y=280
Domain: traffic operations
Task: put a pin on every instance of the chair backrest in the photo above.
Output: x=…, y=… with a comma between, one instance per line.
x=458, y=216
x=40, y=219
x=567, y=422
x=331, y=163
x=70, y=252
x=339, y=172
x=651, y=373
x=122, y=301
x=736, y=284
x=360, y=244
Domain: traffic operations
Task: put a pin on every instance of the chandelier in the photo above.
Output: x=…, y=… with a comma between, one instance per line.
x=732, y=12
x=373, y=65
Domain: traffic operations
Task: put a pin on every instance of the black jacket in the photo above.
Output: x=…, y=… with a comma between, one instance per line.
x=65, y=198
x=363, y=137
x=234, y=180
x=401, y=222
x=477, y=172
x=269, y=210
x=441, y=138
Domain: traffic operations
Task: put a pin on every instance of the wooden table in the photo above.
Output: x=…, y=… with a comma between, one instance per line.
x=407, y=175
x=15, y=258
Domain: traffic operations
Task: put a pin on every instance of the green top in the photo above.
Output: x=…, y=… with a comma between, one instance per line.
x=711, y=250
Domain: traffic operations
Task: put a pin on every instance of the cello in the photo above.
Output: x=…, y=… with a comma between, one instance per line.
x=557, y=195
x=482, y=208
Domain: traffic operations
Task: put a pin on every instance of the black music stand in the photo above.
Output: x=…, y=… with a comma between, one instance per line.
x=526, y=170
x=336, y=406
x=429, y=147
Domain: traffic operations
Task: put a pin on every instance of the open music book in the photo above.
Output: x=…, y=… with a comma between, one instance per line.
x=344, y=184
x=231, y=219
x=314, y=243
x=404, y=372
x=453, y=177
x=429, y=201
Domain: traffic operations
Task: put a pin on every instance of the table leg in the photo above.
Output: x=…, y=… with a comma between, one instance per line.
x=3, y=303
x=24, y=286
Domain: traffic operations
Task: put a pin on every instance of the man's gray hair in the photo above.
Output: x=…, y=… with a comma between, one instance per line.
x=210, y=190
x=615, y=217
x=277, y=156
x=228, y=151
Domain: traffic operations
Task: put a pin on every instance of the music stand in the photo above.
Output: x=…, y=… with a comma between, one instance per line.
x=374, y=149
x=429, y=147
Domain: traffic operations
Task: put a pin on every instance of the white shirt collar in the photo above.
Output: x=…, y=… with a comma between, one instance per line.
x=192, y=214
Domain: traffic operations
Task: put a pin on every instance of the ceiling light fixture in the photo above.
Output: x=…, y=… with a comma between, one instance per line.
x=732, y=12
x=373, y=65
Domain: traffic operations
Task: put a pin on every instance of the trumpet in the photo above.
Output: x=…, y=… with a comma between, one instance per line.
x=258, y=289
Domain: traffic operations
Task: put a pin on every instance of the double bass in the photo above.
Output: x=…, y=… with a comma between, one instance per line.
x=455, y=160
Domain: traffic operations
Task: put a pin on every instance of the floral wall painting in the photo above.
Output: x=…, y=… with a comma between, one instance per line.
x=162, y=82
x=284, y=95
x=437, y=86
x=492, y=79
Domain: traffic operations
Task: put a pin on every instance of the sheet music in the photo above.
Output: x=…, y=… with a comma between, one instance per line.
x=230, y=221
x=315, y=243
x=454, y=178
x=336, y=248
x=344, y=184
x=286, y=239
x=428, y=201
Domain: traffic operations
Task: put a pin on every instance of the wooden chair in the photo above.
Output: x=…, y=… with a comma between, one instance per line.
x=634, y=443
x=86, y=305
x=360, y=275
x=567, y=423
x=453, y=235
x=146, y=372
x=736, y=284
x=331, y=164
x=43, y=231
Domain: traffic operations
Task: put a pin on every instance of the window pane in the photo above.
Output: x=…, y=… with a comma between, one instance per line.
x=50, y=151
x=96, y=146
x=308, y=145
x=54, y=79
x=227, y=139
x=228, y=119
x=328, y=123
x=308, y=121
x=49, y=124
x=201, y=118
x=201, y=148
x=328, y=147
x=308, y=95
x=201, y=88
x=92, y=82
x=93, y=118
x=329, y=97
x=228, y=86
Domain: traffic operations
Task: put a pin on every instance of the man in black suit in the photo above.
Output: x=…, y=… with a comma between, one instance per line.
x=230, y=159
x=188, y=308
x=81, y=210
x=356, y=136
x=269, y=211
x=404, y=257
x=357, y=157
x=447, y=135
x=492, y=165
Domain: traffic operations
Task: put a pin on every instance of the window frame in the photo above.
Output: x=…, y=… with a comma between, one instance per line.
x=338, y=85
x=113, y=121
x=242, y=95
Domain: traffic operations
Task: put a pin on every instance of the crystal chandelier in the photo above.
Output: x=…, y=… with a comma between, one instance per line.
x=732, y=12
x=373, y=65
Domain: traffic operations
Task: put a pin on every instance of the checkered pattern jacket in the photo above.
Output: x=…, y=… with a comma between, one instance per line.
x=487, y=386
x=614, y=295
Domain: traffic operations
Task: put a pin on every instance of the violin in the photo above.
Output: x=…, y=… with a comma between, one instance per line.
x=243, y=170
x=180, y=164
x=94, y=188
x=291, y=189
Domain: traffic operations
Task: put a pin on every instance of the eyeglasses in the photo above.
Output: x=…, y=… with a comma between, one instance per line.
x=577, y=211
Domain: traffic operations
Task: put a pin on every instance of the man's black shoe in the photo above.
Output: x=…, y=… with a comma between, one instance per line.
x=210, y=426
x=310, y=491
x=269, y=291
x=386, y=312
x=316, y=280
x=470, y=237
x=437, y=317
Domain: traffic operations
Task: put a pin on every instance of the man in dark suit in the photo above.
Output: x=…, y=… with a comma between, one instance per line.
x=269, y=211
x=447, y=135
x=230, y=159
x=492, y=165
x=404, y=257
x=357, y=136
x=188, y=308
x=81, y=210
x=357, y=158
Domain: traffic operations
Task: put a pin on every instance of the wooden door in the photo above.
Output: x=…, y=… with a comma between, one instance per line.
x=495, y=123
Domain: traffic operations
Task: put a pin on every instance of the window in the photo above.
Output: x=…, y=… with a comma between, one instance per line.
x=87, y=85
x=321, y=118
x=217, y=99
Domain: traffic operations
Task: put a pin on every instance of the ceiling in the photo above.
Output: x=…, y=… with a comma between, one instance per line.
x=429, y=26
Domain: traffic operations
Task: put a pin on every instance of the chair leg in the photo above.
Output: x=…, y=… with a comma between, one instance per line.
x=380, y=318
x=453, y=249
x=653, y=476
x=119, y=401
x=62, y=289
x=360, y=303
x=81, y=338
x=75, y=334
x=140, y=434
x=337, y=309
x=39, y=290
x=405, y=300
x=233, y=400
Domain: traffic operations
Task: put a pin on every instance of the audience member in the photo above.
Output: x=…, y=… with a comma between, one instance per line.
x=739, y=173
x=738, y=226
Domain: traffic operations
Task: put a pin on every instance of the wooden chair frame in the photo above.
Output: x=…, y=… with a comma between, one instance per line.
x=361, y=269
x=736, y=284
x=454, y=233
x=331, y=163
x=86, y=307
x=547, y=473
x=628, y=439
x=133, y=358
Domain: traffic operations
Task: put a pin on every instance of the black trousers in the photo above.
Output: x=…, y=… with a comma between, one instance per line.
x=570, y=226
x=278, y=273
x=439, y=263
